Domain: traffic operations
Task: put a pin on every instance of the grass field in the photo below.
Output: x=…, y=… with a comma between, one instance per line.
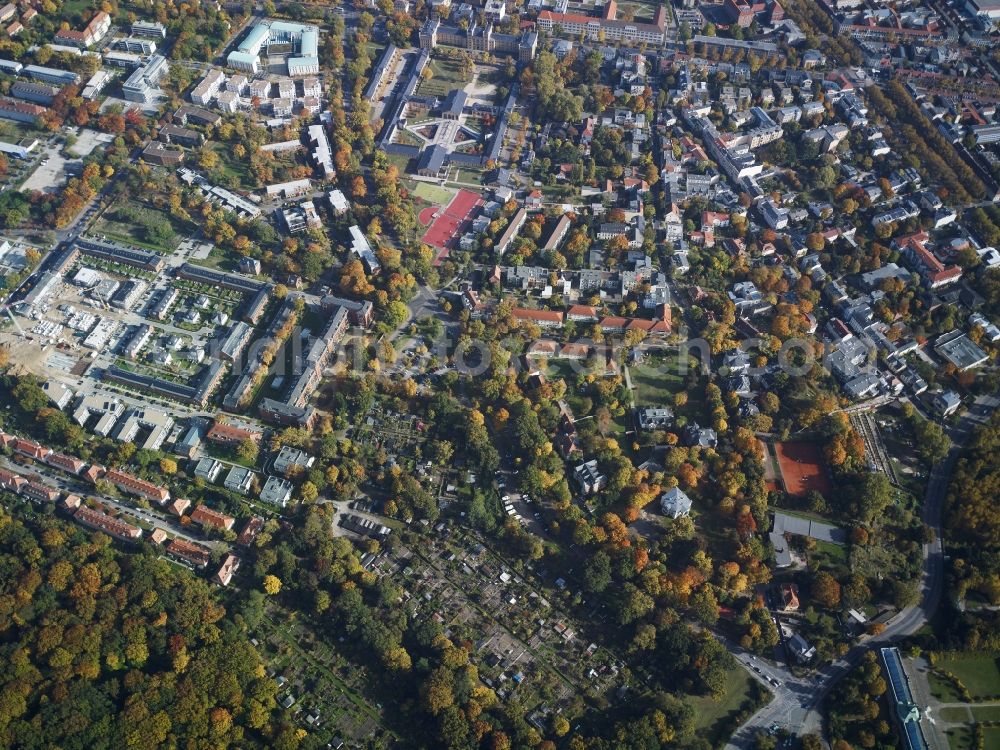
x=76, y=7
x=569, y=370
x=708, y=712
x=979, y=672
x=657, y=379
x=230, y=166
x=152, y=228
x=14, y=131
x=960, y=738
x=979, y=714
x=639, y=11
x=655, y=385
x=447, y=76
x=832, y=557
x=433, y=193
x=943, y=689
x=401, y=162
x=406, y=138
x=464, y=177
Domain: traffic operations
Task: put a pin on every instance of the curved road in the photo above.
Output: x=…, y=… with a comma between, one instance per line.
x=797, y=701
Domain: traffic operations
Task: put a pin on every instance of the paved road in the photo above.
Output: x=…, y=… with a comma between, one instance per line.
x=67, y=484
x=797, y=702
x=423, y=305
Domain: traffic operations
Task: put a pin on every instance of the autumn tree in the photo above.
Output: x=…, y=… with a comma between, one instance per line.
x=825, y=590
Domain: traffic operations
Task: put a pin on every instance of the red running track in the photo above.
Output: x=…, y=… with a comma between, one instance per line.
x=427, y=215
x=451, y=218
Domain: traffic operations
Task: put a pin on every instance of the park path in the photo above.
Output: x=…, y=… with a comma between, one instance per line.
x=968, y=708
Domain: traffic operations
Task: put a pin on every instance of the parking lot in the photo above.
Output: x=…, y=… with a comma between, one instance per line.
x=87, y=141
x=52, y=171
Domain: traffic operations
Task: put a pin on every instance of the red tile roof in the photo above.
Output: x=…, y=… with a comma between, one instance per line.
x=547, y=316
x=250, y=531
x=193, y=553
x=575, y=350
x=71, y=464
x=30, y=448
x=137, y=486
x=208, y=517
x=223, y=432
x=225, y=573
x=103, y=522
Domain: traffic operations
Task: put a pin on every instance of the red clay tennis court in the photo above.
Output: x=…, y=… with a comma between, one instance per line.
x=450, y=219
x=802, y=467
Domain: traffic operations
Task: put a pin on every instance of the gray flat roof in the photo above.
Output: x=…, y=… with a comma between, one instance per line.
x=962, y=352
x=818, y=530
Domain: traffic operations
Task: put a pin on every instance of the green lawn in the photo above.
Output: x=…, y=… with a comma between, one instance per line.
x=832, y=557
x=232, y=167
x=656, y=381
x=219, y=259
x=659, y=377
x=979, y=672
x=960, y=738
x=955, y=715
x=74, y=7
x=433, y=193
x=987, y=713
x=13, y=131
x=709, y=712
x=569, y=370
x=374, y=50
x=401, y=162
x=447, y=76
x=465, y=175
x=979, y=714
x=640, y=12
x=406, y=138
x=139, y=224
x=943, y=689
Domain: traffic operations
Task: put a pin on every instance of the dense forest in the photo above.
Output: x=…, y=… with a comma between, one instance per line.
x=859, y=717
x=972, y=528
x=105, y=649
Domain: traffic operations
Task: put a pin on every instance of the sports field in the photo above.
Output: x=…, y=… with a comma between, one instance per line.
x=801, y=467
x=450, y=219
x=435, y=194
x=426, y=215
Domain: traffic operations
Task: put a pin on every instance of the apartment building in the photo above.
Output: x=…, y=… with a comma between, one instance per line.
x=99, y=25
